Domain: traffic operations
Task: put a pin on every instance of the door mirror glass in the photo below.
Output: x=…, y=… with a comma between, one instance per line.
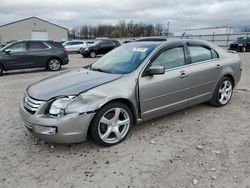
x=156, y=69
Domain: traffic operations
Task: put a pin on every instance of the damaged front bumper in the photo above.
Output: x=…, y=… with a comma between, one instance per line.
x=70, y=128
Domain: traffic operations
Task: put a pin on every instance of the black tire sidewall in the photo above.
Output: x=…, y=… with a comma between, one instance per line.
x=1, y=70
x=215, y=100
x=95, y=122
x=51, y=60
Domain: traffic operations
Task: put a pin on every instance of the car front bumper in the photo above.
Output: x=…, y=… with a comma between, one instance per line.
x=71, y=128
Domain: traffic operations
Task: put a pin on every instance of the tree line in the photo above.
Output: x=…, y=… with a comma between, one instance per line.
x=122, y=29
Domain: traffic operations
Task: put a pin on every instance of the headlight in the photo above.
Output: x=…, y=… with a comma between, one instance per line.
x=86, y=49
x=240, y=44
x=57, y=107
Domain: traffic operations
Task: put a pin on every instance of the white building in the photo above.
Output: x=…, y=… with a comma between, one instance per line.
x=32, y=28
x=204, y=31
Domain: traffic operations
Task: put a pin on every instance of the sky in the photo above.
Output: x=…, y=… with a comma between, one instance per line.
x=182, y=14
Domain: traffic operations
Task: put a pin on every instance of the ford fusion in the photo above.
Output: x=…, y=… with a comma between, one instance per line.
x=133, y=83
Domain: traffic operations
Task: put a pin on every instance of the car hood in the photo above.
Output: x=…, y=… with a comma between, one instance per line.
x=69, y=83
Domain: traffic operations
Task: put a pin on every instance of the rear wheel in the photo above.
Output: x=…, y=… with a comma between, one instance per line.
x=92, y=54
x=1, y=70
x=54, y=64
x=223, y=92
x=111, y=124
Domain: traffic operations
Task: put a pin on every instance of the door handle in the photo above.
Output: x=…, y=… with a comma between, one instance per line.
x=183, y=74
x=218, y=66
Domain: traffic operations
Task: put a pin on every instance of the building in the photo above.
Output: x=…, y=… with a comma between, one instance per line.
x=204, y=31
x=32, y=28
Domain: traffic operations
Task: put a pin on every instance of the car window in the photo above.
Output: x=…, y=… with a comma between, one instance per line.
x=200, y=53
x=37, y=46
x=214, y=54
x=18, y=47
x=171, y=58
x=76, y=43
x=107, y=43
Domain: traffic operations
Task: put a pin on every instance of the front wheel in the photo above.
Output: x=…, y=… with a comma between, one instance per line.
x=111, y=124
x=92, y=54
x=223, y=92
x=1, y=70
x=54, y=64
x=243, y=49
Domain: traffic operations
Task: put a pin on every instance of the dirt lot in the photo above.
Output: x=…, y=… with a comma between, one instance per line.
x=202, y=146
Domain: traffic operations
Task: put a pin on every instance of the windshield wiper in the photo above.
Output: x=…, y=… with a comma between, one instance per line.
x=99, y=70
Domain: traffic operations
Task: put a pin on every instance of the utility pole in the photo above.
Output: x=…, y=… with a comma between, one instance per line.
x=168, y=29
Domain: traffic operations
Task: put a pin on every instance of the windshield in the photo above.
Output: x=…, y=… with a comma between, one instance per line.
x=240, y=40
x=96, y=42
x=124, y=59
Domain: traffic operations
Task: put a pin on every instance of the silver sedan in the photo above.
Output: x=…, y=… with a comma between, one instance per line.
x=131, y=84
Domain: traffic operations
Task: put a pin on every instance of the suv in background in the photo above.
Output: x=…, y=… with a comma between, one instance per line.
x=99, y=47
x=33, y=54
x=241, y=44
x=75, y=45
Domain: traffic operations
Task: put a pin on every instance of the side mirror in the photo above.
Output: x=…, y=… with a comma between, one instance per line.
x=7, y=51
x=156, y=69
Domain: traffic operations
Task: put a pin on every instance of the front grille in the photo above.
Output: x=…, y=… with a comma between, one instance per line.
x=31, y=105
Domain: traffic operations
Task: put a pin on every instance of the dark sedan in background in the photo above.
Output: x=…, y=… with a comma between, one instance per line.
x=241, y=44
x=33, y=54
x=99, y=47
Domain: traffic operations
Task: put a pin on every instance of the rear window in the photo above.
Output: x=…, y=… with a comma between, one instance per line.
x=201, y=53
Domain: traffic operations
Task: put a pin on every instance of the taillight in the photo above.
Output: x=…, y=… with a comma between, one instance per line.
x=65, y=50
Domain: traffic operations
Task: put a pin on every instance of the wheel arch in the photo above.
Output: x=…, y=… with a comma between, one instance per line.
x=2, y=66
x=231, y=77
x=124, y=101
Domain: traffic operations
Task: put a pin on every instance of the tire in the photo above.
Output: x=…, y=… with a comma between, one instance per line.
x=243, y=49
x=111, y=124
x=223, y=92
x=54, y=64
x=92, y=54
x=1, y=70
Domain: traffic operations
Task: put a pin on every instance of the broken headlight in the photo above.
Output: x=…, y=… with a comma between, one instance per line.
x=57, y=107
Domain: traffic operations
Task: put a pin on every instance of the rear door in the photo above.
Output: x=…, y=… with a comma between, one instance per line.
x=205, y=70
x=16, y=58
x=160, y=94
x=38, y=54
x=105, y=47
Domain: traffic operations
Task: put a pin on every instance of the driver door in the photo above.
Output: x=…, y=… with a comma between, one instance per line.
x=16, y=58
x=165, y=93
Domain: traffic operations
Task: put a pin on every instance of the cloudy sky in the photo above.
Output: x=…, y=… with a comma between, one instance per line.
x=181, y=14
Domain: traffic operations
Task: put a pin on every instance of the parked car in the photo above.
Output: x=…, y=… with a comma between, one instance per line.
x=33, y=54
x=75, y=45
x=241, y=44
x=131, y=84
x=99, y=47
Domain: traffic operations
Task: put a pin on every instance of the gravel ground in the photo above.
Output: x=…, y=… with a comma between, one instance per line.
x=202, y=146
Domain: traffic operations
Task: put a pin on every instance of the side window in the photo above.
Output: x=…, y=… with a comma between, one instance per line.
x=37, y=46
x=18, y=47
x=107, y=43
x=199, y=53
x=171, y=58
x=214, y=54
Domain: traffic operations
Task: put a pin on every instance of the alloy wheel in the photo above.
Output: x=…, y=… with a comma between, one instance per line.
x=114, y=125
x=54, y=64
x=225, y=92
x=92, y=54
